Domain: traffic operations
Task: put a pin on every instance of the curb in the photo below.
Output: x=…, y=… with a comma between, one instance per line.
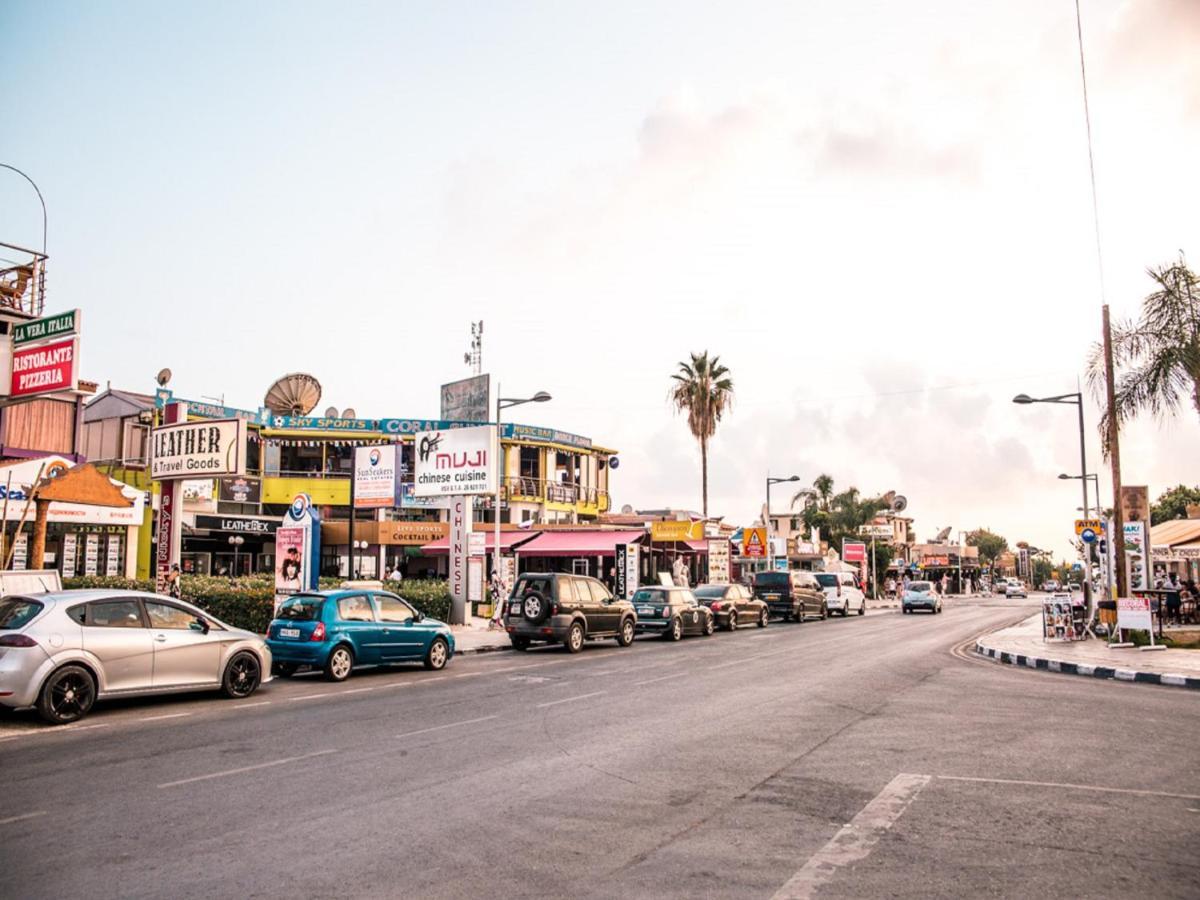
x=1069, y=668
x=476, y=650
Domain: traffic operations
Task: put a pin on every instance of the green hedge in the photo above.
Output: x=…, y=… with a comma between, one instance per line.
x=249, y=602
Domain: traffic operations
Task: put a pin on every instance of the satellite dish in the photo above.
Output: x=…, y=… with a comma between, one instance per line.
x=349, y=413
x=293, y=395
x=613, y=462
x=331, y=413
x=943, y=535
x=163, y=376
x=627, y=510
x=900, y=504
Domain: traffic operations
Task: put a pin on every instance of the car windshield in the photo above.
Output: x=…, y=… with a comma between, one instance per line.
x=17, y=612
x=771, y=579
x=650, y=597
x=826, y=579
x=920, y=587
x=301, y=609
x=710, y=591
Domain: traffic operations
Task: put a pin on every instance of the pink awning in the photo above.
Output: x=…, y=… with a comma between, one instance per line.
x=508, y=540
x=579, y=543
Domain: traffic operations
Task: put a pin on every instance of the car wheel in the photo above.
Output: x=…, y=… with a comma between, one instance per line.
x=708, y=626
x=242, y=676
x=520, y=643
x=862, y=609
x=439, y=653
x=733, y=621
x=904, y=610
x=67, y=695
x=625, y=638
x=824, y=612
x=535, y=608
x=574, y=641
x=675, y=632
x=762, y=619
x=283, y=670
x=339, y=664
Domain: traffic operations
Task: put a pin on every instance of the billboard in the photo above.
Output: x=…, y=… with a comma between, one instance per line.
x=238, y=489
x=297, y=548
x=854, y=551
x=188, y=449
x=718, y=561
x=376, y=475
x=45, y=368
x=468, y=400
x=454, y=462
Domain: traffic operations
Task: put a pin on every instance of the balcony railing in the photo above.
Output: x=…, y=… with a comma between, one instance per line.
x=553, y=491
x=22, y=280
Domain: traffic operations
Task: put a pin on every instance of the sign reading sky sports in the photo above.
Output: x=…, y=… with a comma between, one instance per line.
x=375, y=477
x=455, y=462
x=188, y=449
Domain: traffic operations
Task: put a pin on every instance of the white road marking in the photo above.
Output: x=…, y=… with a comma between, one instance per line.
x=660, y=678
x=468, y=675
x=441, y=727
x=854, y=842
x=573, y=699
x=160, y=718
x=254, y=768
x=11, y=819
x=1075, y=787
x=65, y=729
x=248, y=705
x=361, y=690
x=310, y=696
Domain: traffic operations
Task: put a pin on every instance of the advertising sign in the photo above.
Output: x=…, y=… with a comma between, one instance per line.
x=91, y=554
x=409, y=500
x=1135, y=503
x=20, y=555
x=188, y=449
x=47, y=329
x=455, y=462
x=476, y=544
x=1134, y=612
x=676, y=531
x=461, y=515
x=289, y=559
x=468, y=400
x=112, y=555
x=68, y=555
x=754, y=543
x=375, y=476
x=854, y=551
x=475, y=580
x=297, y=549
x=1137, y=555
x=627, y=563
x=45, y=368
x=238, y=524
x=1082, y=525
x=718, y=561
x=239, y=489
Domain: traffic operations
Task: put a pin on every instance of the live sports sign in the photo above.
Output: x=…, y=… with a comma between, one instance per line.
x=45, y=368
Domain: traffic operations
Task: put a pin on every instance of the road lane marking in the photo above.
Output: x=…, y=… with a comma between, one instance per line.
x=248, y=705
x=310, y=696
x=254, y=768
x=160, y=718
x=11, y=819
x=571, y=699
x=1076, y=787
x=661, y=678
x=441, y=727
x=361, y=690
x=854, y=842
x=64, y=729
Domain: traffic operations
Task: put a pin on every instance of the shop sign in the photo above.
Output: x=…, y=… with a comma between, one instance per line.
x=1135, y=503
x=45, y=368
x=468, y=400
x=754, y=543
x=112, y=556
x=1137, y=559
x=461, y=515
x=1093, y=525
x=91, y=554
x=626, y=562
x=239, y=489
x=47, y=329
x=476, y=544
x=68, y=554
x=1134, y=612
x=198, y=489
x=20, y=555
x=237, y=524
x=297, y=549
x=854, y=551
x=412, y=533
x=515, y=432
x=375, y=477
x=718, y=561
x=408, y=500
x=455, y=462
x=188, y=449
x=879, y=532
x=676, y=531
x=934, y=561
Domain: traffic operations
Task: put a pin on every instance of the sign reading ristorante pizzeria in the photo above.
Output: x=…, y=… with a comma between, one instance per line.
x=44, y=368
x=213, y=447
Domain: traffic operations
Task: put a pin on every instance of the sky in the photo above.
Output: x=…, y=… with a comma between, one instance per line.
x=878, y=214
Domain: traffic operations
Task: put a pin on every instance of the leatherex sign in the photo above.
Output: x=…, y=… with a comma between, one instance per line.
x=455, y=462
x=213, y=447
x=238, y=524
x=43, y=368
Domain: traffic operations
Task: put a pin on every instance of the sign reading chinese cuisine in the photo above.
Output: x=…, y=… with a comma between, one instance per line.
x=454, y=462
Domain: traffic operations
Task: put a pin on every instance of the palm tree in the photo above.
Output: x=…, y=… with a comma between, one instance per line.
x=819, y=495
x=1158, y=357
x=704, y=390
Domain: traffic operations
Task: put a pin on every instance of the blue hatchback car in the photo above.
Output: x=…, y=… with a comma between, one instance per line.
x=337, y=630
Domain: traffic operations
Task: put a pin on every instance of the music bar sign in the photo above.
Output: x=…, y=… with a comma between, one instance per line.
x=212, y=447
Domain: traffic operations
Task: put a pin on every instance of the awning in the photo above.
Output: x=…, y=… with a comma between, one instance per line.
x=579, y=543
x=508, y=540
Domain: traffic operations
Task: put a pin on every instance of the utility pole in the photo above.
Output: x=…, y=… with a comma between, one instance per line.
x=1114, y=455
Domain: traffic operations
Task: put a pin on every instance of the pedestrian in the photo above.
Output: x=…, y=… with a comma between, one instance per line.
x=677, y=576
x=173, y=587
x=945, y=583
x=395, y=576
x=889, y=587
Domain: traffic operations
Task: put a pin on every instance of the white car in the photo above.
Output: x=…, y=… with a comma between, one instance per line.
x=842, y=595
x=1015, y=588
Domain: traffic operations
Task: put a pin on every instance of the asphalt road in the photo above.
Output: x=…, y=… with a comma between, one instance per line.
x=849, y=758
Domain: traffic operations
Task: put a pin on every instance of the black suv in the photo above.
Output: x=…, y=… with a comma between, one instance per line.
x=791, y=595
x=551, y=607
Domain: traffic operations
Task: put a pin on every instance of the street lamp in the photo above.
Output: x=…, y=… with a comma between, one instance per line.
x=1077, y=400
x=357, y=545
x=235, y=541
x=503, y=403
x=767, y=517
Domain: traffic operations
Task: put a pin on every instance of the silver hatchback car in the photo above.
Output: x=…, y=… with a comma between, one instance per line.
x=63, y=651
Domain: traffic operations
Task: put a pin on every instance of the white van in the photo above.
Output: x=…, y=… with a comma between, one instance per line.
x=841, y=593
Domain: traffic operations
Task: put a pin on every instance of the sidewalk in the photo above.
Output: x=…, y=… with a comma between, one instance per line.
x=1022, y=645
x=475, y=637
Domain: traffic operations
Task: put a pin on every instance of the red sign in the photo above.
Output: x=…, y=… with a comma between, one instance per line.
x=44, y=369
x=854, y=551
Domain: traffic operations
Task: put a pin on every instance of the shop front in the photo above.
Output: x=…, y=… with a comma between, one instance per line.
x=384, y=546
x=228, y=545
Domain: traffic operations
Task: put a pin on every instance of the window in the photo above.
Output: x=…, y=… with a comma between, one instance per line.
x=114, y=614
x=163, y=615
x=355, y=609
x=301, y=609
x=568, y=592
x=600, y=593
x=392, y=610
x=17, y=613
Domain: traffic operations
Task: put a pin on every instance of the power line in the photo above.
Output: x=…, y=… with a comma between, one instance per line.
x=1087, y=118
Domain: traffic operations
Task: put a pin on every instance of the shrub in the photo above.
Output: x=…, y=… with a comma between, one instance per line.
x=430, y=596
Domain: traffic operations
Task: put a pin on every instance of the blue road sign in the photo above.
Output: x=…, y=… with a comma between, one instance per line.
x=1088, y=535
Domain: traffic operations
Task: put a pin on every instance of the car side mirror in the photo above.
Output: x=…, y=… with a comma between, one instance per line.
x=418, y=616
x=200, y=625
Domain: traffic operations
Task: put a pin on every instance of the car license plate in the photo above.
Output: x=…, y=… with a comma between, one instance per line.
x=645, y=610
x=770, y=596
x=289, y=632
x=514, y=609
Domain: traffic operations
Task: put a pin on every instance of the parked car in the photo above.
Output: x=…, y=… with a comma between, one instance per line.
x=791, y=595
x=63, y=651
x=339, y=630
x=1050, y=586
x=732, y=605
x=921, y=595
x=554, y=607
x=1015, y=588
x=1000, y=586
x=672, y=612
x=842, y=593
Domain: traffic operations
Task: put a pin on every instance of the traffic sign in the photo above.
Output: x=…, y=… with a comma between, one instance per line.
x=754, y=543
x=1088, y=535
x=1091, y=524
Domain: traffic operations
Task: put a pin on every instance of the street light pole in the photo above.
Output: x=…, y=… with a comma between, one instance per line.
x=767, y=517
x=503, y=403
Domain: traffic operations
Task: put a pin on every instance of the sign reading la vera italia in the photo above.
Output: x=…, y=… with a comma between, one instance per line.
x=188, y=449
x=455, y=461
x=45, y=355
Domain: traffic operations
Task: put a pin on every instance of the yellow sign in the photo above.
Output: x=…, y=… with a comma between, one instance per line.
x=754, y=543
x=676, y=531
x=1095, y=525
